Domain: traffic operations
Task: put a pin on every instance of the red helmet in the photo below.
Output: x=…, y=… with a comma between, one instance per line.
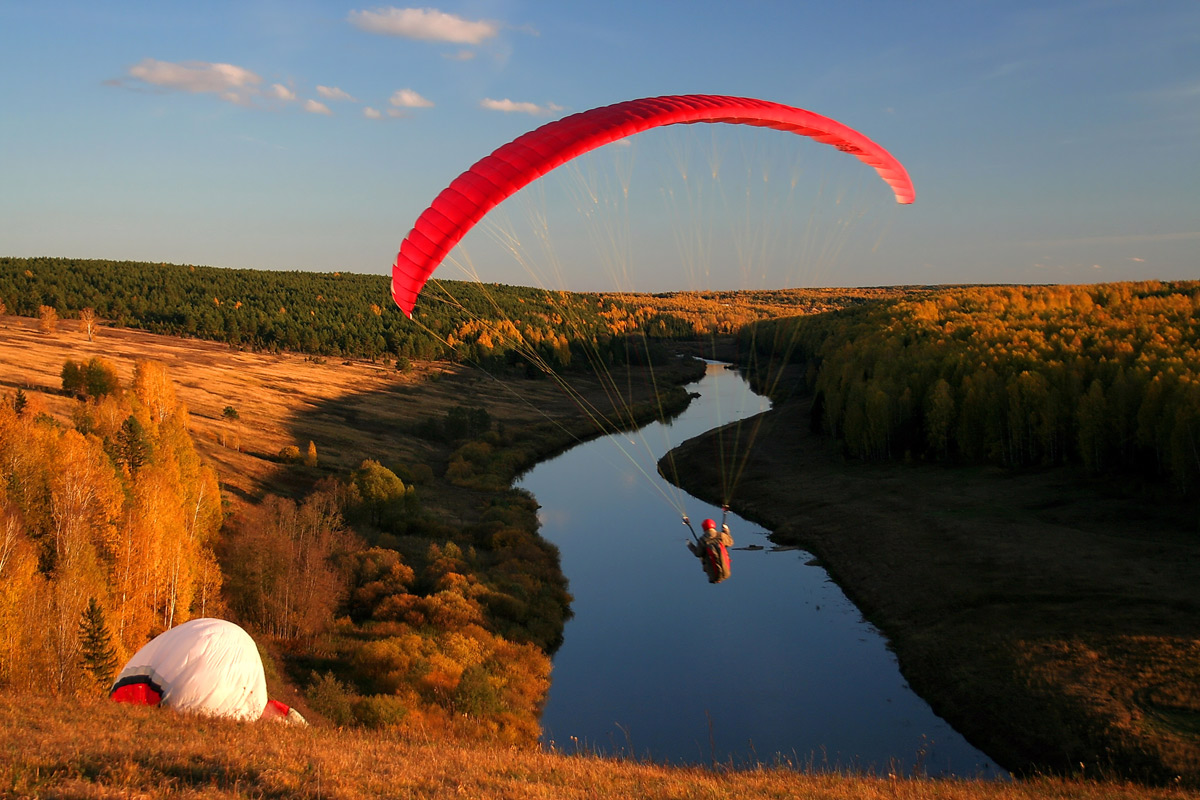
x=708, y=525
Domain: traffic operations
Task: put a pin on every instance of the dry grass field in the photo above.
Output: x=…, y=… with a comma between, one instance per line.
x=266, y=390
x=136, y=752
x=351, y=409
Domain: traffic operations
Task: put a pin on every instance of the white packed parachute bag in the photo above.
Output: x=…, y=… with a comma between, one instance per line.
x=206, y=666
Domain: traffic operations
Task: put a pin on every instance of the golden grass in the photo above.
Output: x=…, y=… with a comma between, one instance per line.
x=102, y=750
x=351, y=409
x=265, y=389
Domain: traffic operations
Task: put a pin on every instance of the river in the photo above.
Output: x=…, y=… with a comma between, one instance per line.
x=772, y=666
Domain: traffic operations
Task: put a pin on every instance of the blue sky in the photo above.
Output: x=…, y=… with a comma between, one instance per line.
x=1049, y=142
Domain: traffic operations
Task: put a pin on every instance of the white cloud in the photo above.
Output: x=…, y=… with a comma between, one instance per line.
x=512, y=106
x=461, y=55
x=423, y=23
x=334, y=93
x=229, y=82
x=407, y=98
x=372, y=113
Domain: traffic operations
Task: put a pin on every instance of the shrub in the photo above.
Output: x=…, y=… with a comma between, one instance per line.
x=382, y=492
x=95, y=378
x=101, y=378
x=379, y=710
x=332, y=699
x=73, y=379
x=419, y=474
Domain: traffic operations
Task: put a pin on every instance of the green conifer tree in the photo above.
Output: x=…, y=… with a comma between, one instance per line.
x=97, y=653
x=133, y=444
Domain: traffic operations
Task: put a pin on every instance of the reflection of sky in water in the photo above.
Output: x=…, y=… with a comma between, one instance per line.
x=775, y=659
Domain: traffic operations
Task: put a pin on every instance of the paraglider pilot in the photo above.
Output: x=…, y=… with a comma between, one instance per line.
x=713, y=550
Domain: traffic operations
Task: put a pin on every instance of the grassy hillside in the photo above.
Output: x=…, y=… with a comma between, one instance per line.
x=433, y=606
x=100, y=750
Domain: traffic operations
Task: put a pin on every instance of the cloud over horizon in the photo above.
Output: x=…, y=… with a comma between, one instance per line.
x=512, y=106
x=427, y=24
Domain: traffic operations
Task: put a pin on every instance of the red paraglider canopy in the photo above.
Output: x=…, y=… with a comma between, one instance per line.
x=494, y=178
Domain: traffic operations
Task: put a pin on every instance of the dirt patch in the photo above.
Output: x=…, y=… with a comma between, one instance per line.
x=1034, y=611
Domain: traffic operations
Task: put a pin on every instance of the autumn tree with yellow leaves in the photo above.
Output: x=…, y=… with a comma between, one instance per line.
x=88, y=323
x=118, y=508
x=47, y=319
x=1106, y=376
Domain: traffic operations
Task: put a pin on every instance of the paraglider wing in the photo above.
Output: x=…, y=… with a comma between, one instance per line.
x=206, y=666
x=494, y=178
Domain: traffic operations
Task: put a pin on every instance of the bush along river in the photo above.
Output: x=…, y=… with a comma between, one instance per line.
x=772, y=666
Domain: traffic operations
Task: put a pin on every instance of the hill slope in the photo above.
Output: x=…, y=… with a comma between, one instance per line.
x=50, y=749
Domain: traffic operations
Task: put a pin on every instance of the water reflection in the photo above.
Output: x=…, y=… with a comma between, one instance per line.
x=772, y=665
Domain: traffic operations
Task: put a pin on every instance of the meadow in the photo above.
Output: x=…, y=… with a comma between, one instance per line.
x=145, y=752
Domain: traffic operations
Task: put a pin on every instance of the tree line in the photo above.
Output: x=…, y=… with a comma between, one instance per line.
x=1106, y=376
x=352, y=315
x=330, y=314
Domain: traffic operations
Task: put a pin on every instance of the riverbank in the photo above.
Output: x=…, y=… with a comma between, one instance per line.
x=1054, y=624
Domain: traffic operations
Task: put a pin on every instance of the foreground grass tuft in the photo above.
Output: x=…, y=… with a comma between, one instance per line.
x=51, y=748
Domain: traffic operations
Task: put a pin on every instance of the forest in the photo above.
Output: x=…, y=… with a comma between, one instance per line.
x=1105, y=376
x=107, y=531
x=348, y=314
